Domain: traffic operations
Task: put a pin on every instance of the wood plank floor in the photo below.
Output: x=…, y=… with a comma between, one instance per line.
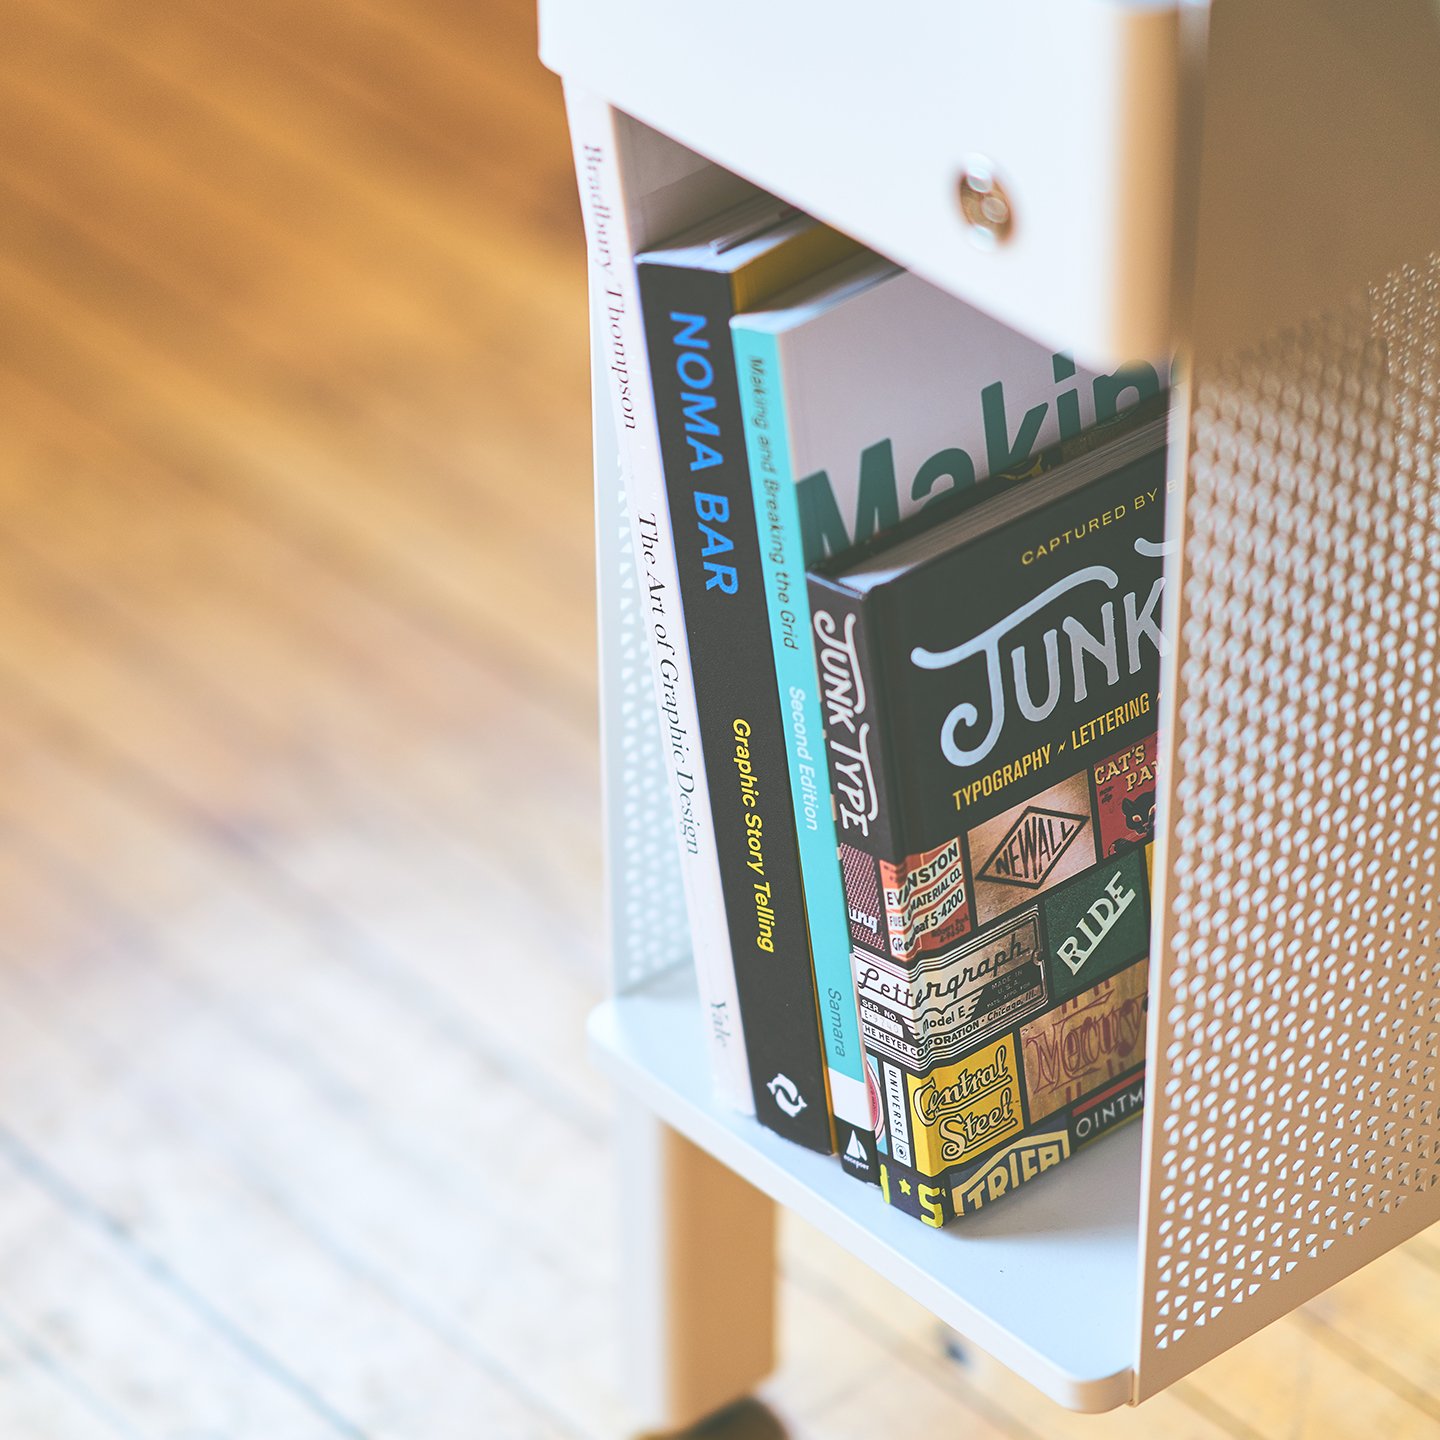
x=297, y=729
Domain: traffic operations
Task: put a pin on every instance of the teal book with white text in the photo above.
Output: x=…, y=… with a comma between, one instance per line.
x=869, y=395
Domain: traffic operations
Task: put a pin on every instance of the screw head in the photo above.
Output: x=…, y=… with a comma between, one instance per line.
x=984, y=206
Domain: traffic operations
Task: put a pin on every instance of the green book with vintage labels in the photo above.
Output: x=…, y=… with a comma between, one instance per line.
x=989, y=686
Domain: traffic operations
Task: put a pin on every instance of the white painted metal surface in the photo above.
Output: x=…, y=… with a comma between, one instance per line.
x=1291, y=1133
x=866, y=118
x=1295, y=996
x=1316, y=156
x=1046, y=1282
x=647, y=920
x=1295, y=1010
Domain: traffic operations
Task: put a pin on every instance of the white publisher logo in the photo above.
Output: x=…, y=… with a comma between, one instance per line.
x=787, y=1096
x=855, y=1152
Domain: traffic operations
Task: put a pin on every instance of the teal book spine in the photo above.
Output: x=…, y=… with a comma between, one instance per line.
x=783, y=564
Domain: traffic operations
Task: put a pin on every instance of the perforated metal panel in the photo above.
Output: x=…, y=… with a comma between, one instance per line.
x=1296, y=996
x=647, y=900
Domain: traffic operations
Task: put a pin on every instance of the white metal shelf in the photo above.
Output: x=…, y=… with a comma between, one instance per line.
x=1291, y=1131
x=1047, y=1282
x=845, y=113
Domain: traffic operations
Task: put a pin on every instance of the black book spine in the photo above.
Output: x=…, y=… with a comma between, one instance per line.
x=707, y=480
x=868, y=827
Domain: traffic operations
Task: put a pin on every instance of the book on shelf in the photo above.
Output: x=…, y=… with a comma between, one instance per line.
x=869, y=396
x=785, y=402
x=625, y=206
x=690, y=288
x=989, y=679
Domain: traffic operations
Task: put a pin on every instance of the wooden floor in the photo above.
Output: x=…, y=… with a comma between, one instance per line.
x=298, y=817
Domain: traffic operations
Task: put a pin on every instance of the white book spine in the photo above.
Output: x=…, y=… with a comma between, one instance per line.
x=619, y=206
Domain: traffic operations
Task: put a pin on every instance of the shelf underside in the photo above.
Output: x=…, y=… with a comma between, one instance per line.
x=1046, y=1281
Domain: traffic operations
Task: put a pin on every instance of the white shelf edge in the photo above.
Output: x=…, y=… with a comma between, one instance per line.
x=1046, y=1282
x=1089, y=156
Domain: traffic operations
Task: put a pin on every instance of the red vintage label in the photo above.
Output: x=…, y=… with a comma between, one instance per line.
x=926, y=900
x=1125, y=796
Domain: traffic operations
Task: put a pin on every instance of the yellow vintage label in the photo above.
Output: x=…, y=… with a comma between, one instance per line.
x=960, y=1111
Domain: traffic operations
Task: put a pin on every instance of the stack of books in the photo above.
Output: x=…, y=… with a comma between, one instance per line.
x=903, y=572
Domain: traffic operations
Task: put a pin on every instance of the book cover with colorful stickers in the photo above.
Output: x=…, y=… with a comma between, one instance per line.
x=869, y=396
x=989, y=687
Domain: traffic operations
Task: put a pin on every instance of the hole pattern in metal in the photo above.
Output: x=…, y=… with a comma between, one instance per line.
x=648, y=920
x=1295, y=1081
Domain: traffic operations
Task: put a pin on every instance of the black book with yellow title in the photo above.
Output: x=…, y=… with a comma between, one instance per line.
x=689, y=290
x=989, y=689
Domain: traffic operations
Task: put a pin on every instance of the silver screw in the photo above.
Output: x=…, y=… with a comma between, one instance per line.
x=984, y=205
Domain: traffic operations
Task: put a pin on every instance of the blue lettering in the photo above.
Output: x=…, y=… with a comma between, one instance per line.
x=689, y=332
x=695, y=370
x=694, y=407
x=702, y=456
x=717, y=508
x=716, y=541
